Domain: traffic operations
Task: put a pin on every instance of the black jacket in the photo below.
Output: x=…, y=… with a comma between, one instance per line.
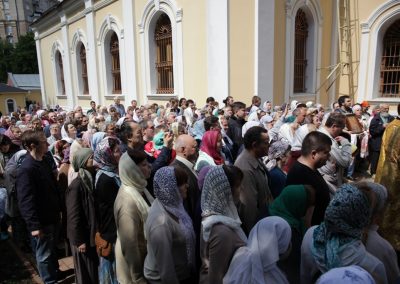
x=376, y=130
x=37, y=193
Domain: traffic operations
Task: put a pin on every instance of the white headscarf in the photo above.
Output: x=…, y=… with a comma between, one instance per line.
x=346, y=275
x=256, y=262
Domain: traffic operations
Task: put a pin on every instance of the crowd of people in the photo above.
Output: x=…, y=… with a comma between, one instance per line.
x=178, y=193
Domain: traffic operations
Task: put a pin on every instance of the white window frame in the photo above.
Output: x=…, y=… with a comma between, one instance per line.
x=58, y=47
x=78, y=39
x=14, y=103
x=109, y=25
x=147, y=24
x=372, y=33
x=314, y=46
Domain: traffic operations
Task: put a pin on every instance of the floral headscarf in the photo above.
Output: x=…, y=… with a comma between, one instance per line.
x=276, y=151
x=104, y=159
x=346, y=275
x=217, y=204
x=209, y=146
x=167, y=192
x=346, y=216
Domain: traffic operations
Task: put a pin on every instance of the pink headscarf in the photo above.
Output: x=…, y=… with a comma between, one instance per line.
x=209, y=146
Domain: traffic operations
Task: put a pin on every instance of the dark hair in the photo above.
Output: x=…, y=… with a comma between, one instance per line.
x=210, y=99
x=189, y=101
x=234, y=175
x=237, y=105
x=92, y=102
x=253, y=135
x=180, y=101
x=336, y=118
x=209, y=121
x=31, y=137
x=398, y=109
x=341, y=99
x=315, y=141
x=125, y=131
x=113, y=142
x=181, y=176
x=255, y=99
x=5, y=140
x=137, y=156
x=227, y=99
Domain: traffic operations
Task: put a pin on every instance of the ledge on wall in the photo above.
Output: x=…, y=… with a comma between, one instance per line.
x=161, y=97
x=85, y=97
x=111, y=97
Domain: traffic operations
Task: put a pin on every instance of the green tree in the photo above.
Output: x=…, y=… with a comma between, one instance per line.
x=6, y=58
x=19, y=59
x=24, y=56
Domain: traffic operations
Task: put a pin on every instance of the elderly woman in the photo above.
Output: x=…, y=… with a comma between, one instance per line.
x=295, y=204
x=337, y=241
x=210, y=150
x=169, y=231
x=81, y=221
x=268, y=242
x=278, y=153
x=107, y=183
x=130, y=212
x=221, y=232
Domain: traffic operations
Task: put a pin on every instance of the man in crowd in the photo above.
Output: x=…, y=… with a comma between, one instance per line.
x=315, y=152
x=39, y=203
x=376, y=129
x=255, y=194
x=148, y=130
x=118, y=106
x=340, y=153
x=92, y=110
x=235, y=125
x=186, y=156
x=344, y=105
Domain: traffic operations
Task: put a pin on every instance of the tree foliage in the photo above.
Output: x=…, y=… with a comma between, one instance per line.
x=19, y=59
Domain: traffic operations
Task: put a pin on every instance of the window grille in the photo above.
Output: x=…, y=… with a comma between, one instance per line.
x=390, y=63
x=115, y=65
x=61, y=69
x=82, y=54
x=300, y=54
x=164, y=60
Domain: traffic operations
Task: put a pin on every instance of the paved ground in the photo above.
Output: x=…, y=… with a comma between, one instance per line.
x=19, y=267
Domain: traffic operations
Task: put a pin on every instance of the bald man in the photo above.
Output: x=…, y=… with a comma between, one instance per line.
x=186, y=156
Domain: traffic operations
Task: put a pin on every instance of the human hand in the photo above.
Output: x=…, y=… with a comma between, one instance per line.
x=37, y=233
x=168, y=140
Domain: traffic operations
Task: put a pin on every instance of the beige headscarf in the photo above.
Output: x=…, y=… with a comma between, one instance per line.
x=134, y=183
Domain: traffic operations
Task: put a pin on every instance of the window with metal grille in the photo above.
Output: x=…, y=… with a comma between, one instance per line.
x=164, y=60
x=82, y=54
x=61, y=71
x=390, y=62
x=300, y=54
x=115, y=66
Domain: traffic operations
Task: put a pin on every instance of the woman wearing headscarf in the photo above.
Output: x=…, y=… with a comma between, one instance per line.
x=107, y=183
x=96, y=139
x=130, y=212
x=210, y=150
x=81, y=221
x=295, y=204
x=256, y=263
x=377, y=245
x=337, y=241
x=221, y=232
x=346, y=275
x=169, y=231
x=275, y=161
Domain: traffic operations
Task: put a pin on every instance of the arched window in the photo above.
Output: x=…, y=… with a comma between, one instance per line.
x=390, y=62
x=115, y=64
x=300, y=52
x=164, y=60
x=60, y=74
x=82, y=55
x=10, y=105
